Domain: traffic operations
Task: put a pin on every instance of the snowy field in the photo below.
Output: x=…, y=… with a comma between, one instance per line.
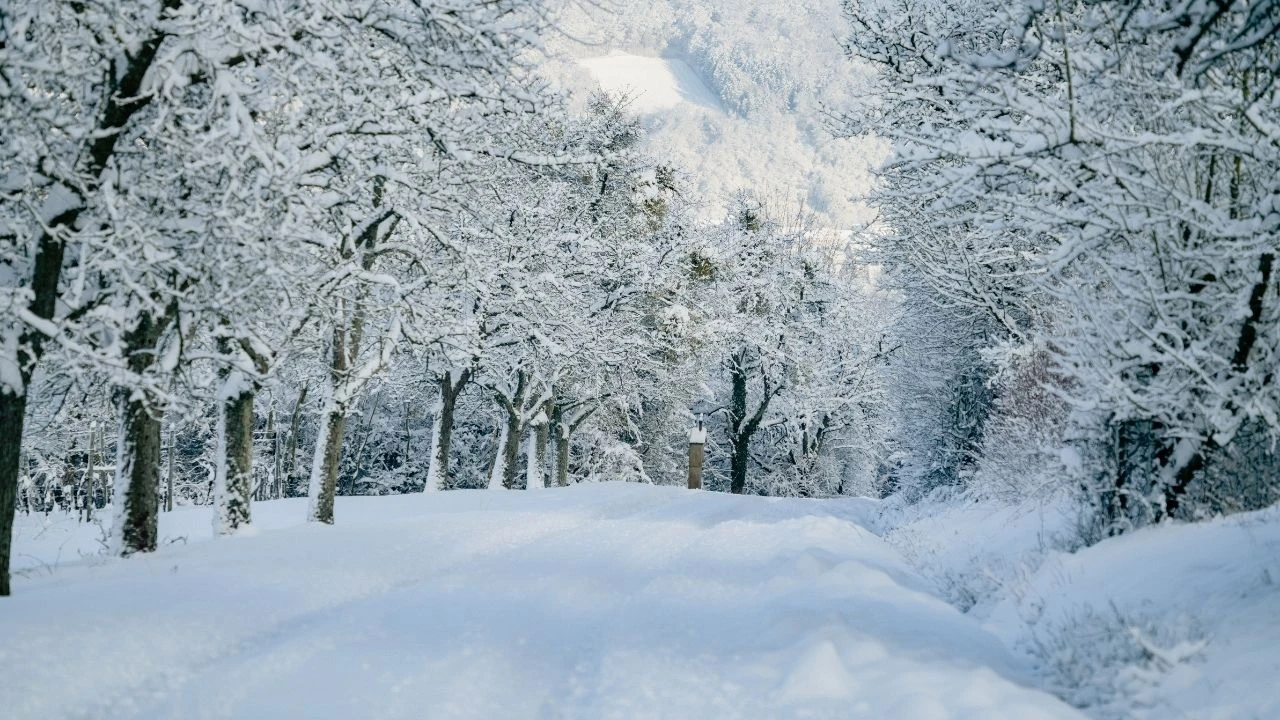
x=604, y=601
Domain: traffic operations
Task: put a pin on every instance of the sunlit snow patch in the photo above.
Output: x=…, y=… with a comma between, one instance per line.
x=654, y=83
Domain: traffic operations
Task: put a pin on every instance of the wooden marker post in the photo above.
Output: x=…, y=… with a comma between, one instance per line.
x=697, y=439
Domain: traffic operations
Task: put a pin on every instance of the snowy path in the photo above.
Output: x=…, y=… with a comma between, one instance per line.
x=609, y=601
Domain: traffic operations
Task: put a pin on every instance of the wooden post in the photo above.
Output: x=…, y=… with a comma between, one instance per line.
x=697, y=439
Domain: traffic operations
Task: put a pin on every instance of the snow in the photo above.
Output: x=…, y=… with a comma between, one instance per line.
x=1202, y=600
x=595, y=601
x=655, y=83
x=1171, y=621
x=737, y=97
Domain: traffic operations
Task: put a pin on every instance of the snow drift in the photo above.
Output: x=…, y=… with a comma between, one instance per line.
x=608, y=601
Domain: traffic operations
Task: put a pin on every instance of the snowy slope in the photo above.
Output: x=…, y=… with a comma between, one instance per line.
x=609, y=601
x=1172, y=621
x=656, y=84
x=736, y=93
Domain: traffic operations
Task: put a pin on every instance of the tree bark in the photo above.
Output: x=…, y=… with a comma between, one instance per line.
x=562, y=454
x=535, y=451
x=291, y=451
x=739, y=440
x=234, y=486
x=511, y=450
x=741, y=427
x=137, y=494
x=324, y=473
x=13, y=408
x=507, y=458
x=137, y=477
x=498, y=470
x=442, y=434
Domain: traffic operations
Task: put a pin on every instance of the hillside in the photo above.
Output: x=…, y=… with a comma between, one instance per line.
x=737, y=95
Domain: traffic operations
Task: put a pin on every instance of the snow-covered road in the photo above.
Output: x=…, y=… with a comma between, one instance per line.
x=605, y=601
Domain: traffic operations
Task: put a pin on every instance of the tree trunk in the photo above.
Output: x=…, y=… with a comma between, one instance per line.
x=137, y=495
x=437, y=464
x=535, y=450
x=168, y=476
x=498, y=471
x=292, y=450
x=511, y=451
x=506, y=460
x=13, y=409
x=740, y=438
x=324, y=469
x=233, y=481
x=442, y=432
x=738, y=465
x=562, y=454
x=137, y=477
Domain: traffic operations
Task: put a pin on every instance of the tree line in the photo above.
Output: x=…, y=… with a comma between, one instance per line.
x=1081, y=219
x=238, y=235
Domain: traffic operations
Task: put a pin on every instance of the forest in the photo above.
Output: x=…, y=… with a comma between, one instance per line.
x=251, y=253
x=269, y=249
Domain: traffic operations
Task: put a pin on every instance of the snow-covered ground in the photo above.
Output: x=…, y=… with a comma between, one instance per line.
x=604, y=601
x=1173, y=621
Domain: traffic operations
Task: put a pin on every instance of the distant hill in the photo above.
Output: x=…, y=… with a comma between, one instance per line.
x=734, y=92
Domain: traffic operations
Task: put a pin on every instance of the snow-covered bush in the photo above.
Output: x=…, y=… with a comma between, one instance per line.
x=1111, y=663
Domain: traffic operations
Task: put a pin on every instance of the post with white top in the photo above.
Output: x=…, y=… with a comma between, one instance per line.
x=697, y=439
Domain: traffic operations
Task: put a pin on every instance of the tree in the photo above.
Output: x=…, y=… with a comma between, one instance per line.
x=1101, y=173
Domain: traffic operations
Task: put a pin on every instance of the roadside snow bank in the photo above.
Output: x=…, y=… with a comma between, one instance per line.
x=606, y=601
x=1174, y=621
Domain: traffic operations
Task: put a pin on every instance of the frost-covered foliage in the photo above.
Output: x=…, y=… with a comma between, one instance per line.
x=238, y=236
x=772, y=70
x=794, y=388
x=1112, y=664
x=1094, y=184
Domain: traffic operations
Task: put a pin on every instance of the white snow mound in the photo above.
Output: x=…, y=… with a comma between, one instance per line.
x=604, y=601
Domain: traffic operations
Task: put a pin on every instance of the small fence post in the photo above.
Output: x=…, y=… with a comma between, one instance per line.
x=697, y=439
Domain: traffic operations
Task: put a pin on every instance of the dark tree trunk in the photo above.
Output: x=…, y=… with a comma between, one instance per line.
x=562, y=454
x=508, y=452
x=741, y=426
x=138, y=467
x=542, y=439
x=511, y=451
x=234, y=507
x=740, y=438
x=438, y=473
x=13, y=408
x=335, y=426
x=448, y=403
x=138, y=478
x=291, y=452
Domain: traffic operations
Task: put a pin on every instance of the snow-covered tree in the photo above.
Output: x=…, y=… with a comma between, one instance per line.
x=1096, y=181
